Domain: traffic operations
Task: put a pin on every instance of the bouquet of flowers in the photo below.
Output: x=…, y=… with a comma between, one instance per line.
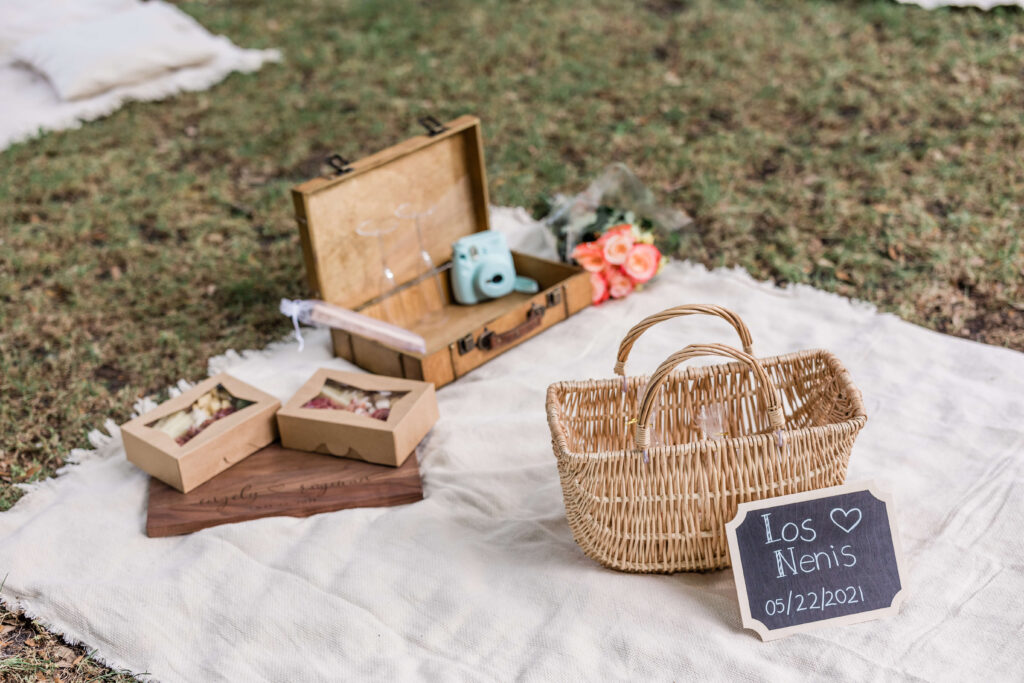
x=620, y=260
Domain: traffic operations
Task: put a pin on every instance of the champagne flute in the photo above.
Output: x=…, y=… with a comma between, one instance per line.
x=433, y=306
x=380, y=230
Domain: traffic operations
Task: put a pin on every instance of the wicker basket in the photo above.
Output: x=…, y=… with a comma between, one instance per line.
x=645, y=491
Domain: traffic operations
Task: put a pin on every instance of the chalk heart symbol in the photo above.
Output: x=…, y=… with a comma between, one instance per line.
x=847, y=520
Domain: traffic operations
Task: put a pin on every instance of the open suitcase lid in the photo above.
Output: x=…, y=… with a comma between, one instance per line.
x=443, y=169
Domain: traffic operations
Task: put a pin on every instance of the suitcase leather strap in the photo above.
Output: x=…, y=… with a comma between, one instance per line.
x=493, y=340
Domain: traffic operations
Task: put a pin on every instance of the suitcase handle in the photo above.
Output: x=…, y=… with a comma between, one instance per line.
x=677, y=312
x=769, y=392
x=492, y=340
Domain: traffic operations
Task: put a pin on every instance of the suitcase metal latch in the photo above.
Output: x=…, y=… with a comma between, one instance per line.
x=554, y=298
x=340, y=164
x=433, y=126
x=466, y=344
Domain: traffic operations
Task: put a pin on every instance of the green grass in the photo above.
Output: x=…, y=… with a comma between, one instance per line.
x=866, y=148
x=32, y=669
x=31, y=654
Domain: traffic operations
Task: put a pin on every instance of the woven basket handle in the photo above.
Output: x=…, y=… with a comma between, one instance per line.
x=767, y=388
x=677, y=312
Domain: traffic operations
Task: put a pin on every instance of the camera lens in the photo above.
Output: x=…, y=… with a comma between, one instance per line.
x=493, y=278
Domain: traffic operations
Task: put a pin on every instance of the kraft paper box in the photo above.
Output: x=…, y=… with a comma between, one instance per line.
x=214, y=448
x=410, y=415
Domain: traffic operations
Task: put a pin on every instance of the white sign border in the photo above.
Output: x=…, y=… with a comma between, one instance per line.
x=756, y=625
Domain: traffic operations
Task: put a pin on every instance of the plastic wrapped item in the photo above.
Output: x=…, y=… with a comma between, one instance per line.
x=713, y=422
x=316, y=312
x=616, y=196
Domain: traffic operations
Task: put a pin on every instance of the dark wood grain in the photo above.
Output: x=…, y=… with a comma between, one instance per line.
x=275, y=482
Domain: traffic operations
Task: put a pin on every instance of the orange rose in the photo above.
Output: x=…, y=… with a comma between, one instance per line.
x=620, y=229
x=599, y=288
x=641, y=263
x=619, y=284
x=616, y=246
x=590, y=256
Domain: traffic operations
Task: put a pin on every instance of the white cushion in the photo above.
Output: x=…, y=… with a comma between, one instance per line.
x=85, y=59
x=23, y=19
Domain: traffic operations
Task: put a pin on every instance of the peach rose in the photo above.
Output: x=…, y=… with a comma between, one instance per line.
x=641, y=262
x=599, y=287
x=619, y=284
x=590, y=256
x=620, y=229
x=617, y=246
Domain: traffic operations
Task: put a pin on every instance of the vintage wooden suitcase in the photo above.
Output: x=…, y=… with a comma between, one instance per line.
x=443, y=170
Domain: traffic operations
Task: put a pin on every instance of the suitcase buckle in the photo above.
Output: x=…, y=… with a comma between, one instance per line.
x=433, y=126
x=466, y=344
x=340, y=164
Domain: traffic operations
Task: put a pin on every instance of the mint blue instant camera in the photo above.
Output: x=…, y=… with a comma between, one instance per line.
x=482, y=269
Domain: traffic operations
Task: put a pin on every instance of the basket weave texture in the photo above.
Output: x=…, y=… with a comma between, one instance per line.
x=646, y=491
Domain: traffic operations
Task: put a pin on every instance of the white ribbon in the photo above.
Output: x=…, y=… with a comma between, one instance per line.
x=293, y=309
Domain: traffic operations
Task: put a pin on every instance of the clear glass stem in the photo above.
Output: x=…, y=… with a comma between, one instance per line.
x=388, y=283
x=428, y=267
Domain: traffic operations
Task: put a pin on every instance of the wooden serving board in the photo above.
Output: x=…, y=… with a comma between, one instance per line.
x=275, y=482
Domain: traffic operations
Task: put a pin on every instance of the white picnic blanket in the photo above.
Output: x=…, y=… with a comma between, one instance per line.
x=29, y=103
x=482, y=581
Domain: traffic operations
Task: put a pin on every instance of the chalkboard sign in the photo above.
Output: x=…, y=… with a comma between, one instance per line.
x=823, y=557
